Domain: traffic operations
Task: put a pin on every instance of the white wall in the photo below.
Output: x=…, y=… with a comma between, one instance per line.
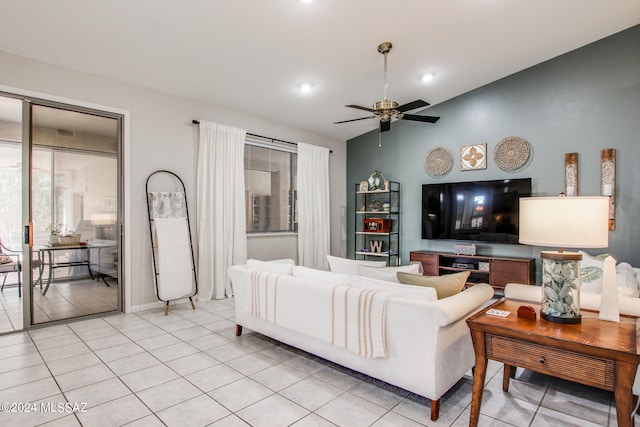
x=160, y=136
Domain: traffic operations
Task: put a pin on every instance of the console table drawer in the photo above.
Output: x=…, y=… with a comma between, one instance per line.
x=559, y=363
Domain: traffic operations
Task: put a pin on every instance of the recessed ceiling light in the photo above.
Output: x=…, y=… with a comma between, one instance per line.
x=306, y=1
x=427, y=77
x=305, y=87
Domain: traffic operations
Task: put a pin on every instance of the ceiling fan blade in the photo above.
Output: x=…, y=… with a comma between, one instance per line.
x=361, y=108
x=354, y=120
x=385, y=126
x=418, y=103
x=417, y=118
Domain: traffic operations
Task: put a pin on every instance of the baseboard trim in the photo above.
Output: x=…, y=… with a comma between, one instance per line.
x=143, y=307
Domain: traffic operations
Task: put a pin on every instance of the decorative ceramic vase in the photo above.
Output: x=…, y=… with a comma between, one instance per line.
x=376, y=181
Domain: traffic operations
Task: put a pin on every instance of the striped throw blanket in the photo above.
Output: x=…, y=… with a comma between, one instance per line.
x=349, y=318
x=264, y=292
x=359, y=320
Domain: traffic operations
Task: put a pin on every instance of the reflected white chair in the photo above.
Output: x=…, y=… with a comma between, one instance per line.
x=15, y=266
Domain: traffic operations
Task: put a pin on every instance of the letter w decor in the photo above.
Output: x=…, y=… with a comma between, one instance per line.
x=376, y=246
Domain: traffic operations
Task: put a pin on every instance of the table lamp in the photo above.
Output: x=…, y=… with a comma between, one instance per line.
x=563, y=222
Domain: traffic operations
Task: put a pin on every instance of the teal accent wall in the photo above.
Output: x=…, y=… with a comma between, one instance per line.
x=583, y=101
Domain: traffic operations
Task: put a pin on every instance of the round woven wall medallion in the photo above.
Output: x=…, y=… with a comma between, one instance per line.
x=438, y=162
x=511, y=153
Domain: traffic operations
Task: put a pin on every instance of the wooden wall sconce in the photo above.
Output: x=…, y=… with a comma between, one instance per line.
x=571, y=174
x=608, y=182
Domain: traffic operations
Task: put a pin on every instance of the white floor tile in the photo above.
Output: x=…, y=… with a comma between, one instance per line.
x=192, y=363
x=279, y=377
x=168, y=394
x=83, y=377
x=240, y=394
x=214, y=377
x=348, y=410
x=311, y=393
x=115, y=412
x=274, y=411
x=148, y=377
x=133, y=363
x=199, y=411
x=98, y=393
x=71, y=363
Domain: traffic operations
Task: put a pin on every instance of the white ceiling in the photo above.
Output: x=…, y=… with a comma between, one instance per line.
x=250, y=55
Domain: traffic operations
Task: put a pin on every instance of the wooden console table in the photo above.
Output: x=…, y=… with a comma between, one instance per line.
x=596, y=353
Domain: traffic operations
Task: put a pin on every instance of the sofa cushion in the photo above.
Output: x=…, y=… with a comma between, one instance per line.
x=350, y=266
x=322, y=275
x=388, y=274
x=277, y=266
x=396, y=289
x=445, y=285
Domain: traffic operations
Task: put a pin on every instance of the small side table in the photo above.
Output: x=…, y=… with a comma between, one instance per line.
x=595, y=352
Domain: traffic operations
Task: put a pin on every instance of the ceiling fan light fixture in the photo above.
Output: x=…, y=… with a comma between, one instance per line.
x=428, y=77
x=386, y=104
x=387, y=110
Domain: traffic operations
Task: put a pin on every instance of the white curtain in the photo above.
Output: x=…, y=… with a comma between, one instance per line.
x=222, y=239
x=313, y=205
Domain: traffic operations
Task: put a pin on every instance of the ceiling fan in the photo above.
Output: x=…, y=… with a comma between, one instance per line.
x=388, y=109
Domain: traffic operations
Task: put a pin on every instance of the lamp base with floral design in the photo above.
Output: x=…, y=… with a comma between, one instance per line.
x=561, y=286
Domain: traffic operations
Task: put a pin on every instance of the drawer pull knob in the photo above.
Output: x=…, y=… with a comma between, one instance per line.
x=542, y=360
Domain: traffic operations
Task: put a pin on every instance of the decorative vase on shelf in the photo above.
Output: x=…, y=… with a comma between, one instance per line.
x=376, y=181
x=386, y=206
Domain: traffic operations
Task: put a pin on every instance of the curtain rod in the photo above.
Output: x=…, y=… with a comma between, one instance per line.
x=196, y=122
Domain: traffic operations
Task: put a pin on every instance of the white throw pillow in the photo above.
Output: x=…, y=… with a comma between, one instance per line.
x=388, y=274
x=626, y=280
x=417, y=293
x=277, y=267
x=350, y=266
x=591, y=273
x=322, y=276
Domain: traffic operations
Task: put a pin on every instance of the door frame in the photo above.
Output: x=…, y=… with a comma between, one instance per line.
x=124, y=202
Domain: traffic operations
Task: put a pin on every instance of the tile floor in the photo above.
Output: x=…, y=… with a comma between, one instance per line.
x=188, y=369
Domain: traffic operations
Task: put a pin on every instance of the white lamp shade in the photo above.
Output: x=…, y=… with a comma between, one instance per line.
x=565, y=222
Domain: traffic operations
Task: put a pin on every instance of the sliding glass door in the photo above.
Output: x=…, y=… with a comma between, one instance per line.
x=11, y=314
x=71, y=211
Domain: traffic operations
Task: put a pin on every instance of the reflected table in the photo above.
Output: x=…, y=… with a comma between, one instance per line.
x=49, y=258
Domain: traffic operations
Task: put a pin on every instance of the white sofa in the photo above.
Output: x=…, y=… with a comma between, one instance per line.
x=428, y=344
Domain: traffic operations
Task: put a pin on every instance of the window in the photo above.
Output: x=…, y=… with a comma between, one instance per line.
x=270, y=188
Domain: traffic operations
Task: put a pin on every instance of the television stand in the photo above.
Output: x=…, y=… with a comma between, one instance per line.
x=496, y=271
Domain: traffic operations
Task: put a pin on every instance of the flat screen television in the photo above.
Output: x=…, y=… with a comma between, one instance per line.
x=477, y=211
